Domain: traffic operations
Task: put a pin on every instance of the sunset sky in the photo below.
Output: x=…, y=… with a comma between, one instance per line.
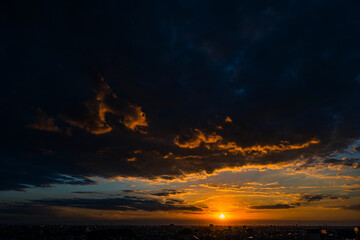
x=158, y=112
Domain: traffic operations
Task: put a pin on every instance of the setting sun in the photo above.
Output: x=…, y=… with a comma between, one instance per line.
x=245, y=128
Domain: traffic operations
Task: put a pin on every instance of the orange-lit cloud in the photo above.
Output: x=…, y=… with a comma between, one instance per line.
x=264, y=149
x=213, y=141
x=196, y=139
x=243, y=188
x=133, y=159
x=93, y=123
x=228, y=119
x=135, y=118
x=93, y=118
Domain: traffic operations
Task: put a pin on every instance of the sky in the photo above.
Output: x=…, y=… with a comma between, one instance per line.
x=157, y=112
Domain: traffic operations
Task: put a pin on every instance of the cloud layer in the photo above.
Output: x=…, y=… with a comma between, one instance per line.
x=196, y=87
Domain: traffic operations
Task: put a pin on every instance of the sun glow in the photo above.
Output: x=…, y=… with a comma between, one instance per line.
x=222, y=216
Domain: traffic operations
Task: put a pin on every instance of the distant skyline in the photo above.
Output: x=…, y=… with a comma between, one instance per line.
x=184, y=112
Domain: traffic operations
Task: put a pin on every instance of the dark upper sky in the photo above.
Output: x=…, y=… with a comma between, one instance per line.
x=163, y=89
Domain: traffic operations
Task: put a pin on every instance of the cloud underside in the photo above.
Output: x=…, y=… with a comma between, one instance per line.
x=148, y=156
x=91, y=116
x=261, y=85
x=49, y=207
x=213, y=140
x=71, y=156
x=126, y=203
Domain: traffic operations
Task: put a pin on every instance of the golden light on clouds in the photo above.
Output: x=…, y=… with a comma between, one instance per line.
x=228, y=119
x=259, y=150
x=93, y=117
x=136, y=118
x=197, y=138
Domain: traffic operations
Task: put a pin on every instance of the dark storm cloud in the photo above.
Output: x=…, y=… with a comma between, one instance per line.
x=121, y=204
x=275, y=206
x=286, y=74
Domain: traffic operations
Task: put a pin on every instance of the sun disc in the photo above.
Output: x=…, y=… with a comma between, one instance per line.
x=222, y=216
